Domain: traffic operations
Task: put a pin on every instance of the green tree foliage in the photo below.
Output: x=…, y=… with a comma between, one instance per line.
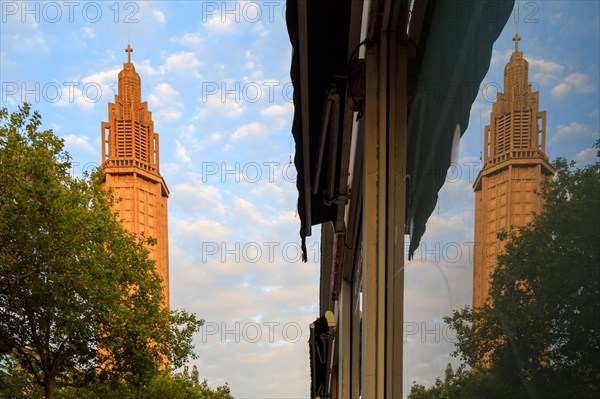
x=15, y=383
x=179, y=386
x=538, y=336
x=461, y=384
x=72, y=279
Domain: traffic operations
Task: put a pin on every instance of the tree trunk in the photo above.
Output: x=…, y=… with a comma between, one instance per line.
x=49, y=386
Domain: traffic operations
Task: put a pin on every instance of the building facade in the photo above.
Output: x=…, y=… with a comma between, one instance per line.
x=130, y=162
x=514, y=165
x=370, y=128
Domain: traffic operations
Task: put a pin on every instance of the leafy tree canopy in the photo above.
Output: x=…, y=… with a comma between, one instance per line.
x=538, y=336
x=80, y=301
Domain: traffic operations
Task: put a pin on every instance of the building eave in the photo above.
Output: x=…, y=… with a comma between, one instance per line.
x=547, y=168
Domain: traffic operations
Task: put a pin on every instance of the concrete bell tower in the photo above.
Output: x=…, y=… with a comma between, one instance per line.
x=130, y=161
x=514, y=165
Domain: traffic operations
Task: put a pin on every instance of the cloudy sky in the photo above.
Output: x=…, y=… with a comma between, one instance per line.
x=216, y=77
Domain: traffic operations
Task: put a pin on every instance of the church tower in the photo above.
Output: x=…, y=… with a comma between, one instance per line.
x=514, y=165
x=130, y=161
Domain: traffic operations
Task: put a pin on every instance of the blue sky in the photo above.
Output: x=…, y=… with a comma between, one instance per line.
x=216, y=77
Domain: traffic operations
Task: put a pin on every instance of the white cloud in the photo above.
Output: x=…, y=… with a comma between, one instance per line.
x=248, y=209
x=106, y=79
x=86, y=92
x=557, y=16
x=290, y=217
x=6, y=61
x=26, y=35
x=182, y=153
x=145, y=17
x=189, y=39
x=89, y=33
x=252, y=131
x=581, y=82
x=221, y=22
x=166, y=102
x=198, y=199
x=163, y=94
x=544, y=72
x=159, y=16
x=182, y=61
x=169, y=168
x=202, y=230
x=254, y=67
x=197, y=142
x=267, y=188
x=276, y=111
x=78, y=142
x=145, y=68
x=577, y=82
x=586, y=156
x=549, y=73
x=500, y=57
x=215, y=136
x=213, y=104
x=560, y=89
x=278, y=115
x=261, y=30
x=575, y=130
x=73, y=94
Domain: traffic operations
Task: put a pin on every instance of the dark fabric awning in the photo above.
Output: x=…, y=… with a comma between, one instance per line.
x=456, y=58
x=327, y=29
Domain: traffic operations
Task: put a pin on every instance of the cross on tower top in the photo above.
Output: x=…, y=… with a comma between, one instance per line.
x=516, y=39
x=128, y=50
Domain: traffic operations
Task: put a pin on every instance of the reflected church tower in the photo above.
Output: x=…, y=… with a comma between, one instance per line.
x=514, y=165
